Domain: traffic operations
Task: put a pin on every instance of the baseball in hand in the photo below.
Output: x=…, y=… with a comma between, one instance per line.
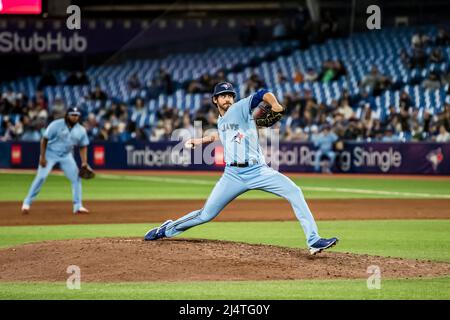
x=189, y=145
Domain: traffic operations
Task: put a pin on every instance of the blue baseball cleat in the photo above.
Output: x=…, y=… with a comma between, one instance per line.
x=157, y=233
x=322, y=244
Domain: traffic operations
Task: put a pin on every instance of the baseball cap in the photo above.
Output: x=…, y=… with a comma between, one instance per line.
x=224, y=87
x=73, y=111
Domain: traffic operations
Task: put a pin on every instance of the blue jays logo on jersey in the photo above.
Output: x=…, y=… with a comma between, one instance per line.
x=238, y=137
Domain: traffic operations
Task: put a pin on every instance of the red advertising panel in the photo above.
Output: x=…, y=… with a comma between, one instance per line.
x=99, y=155
x=16, y=154
x=20, y=6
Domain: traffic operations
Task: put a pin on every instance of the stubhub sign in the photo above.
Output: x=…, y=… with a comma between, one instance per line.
x=14, y=42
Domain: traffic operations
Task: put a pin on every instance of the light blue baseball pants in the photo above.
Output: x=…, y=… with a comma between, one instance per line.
x=70, y=168
x=236, y=181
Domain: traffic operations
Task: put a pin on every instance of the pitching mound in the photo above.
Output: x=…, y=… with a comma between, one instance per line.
x=120, y=259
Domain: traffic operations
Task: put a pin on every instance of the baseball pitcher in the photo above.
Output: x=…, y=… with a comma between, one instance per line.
x=245, y=169
x=57, y=147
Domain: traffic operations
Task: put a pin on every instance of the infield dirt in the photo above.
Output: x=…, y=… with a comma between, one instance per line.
x=132, y=259
x=145, y=211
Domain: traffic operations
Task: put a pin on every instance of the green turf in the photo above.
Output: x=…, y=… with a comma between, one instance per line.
x=437, y=288
x=105, y=187
x=420, y=239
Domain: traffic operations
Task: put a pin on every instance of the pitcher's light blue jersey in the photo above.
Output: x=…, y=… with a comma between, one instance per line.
x=238, y=132
x=239, y=137
x=61, y=139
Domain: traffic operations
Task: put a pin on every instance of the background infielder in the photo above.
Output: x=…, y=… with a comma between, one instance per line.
x=245, y=169
x=57, y=147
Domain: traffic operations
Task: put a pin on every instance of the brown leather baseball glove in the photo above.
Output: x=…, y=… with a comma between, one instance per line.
x=86, y=172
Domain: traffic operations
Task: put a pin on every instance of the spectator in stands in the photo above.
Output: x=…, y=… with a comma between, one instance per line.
x=364, y=98
x=104, y=132
x=325, y=155
x=294, y=120
x=346, y=110
x=10, y=132
x=188, y=128
x=58, y=108
x=10, y=99
x=98, y=94
x=253, y=83
x=295, y=134
x=444, y=135
x=279, y=30
x=340, y=70
x=152, y=89
x=47, y=79
x=40, y=100
x=420, y=40
x=297, y=76
x=405, y=100
x=442, y=38
x=367, y=119
x=133, y=82
x=327, y=73
x=311, y=75
x=30, y=130
x=219, y=77
x=389, y=135
x=418, y=57
x=164, y=81
x=281, y=77
x=436, y=55
x=138, y=135
x=202, y=85
x=405, y=58
x=432, y=82
x=77, y=78
x=376, y=82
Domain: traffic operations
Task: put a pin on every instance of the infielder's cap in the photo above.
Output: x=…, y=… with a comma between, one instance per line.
x=224, y=87
x=73, y=111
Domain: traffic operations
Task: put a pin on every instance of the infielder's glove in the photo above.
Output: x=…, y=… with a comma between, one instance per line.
x=265, y=117
x=86, y=172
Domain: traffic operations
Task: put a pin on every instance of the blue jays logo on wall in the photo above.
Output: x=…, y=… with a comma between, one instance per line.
x=238, y=137
x=435, y=157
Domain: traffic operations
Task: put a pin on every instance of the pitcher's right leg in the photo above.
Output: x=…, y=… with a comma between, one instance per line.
x=38, y=181
x=227, y=188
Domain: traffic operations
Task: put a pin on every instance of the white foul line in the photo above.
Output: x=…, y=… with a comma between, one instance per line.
x=323, y=189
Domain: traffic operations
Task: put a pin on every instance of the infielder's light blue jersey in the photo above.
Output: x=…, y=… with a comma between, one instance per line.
x=61, y=139
x=238, y=133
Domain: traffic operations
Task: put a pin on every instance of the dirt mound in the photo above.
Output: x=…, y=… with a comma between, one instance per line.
x=121, y=259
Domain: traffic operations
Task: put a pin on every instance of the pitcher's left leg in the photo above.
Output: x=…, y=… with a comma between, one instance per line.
x=274, y=182
x=70, y=168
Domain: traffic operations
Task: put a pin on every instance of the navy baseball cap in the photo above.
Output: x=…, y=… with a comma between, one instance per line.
x=224, y=87
x=73, y=111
